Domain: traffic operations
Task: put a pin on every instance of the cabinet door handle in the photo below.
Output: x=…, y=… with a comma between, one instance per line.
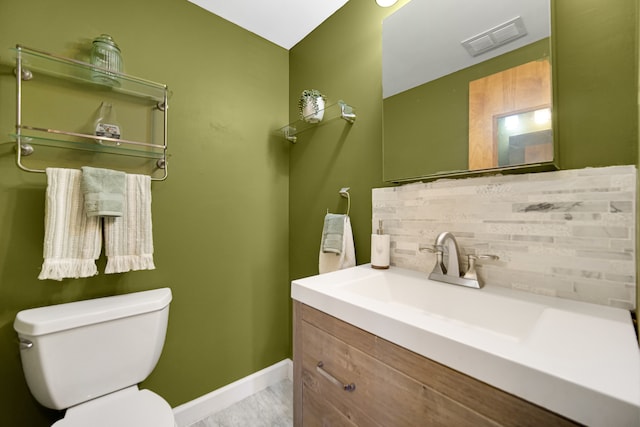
x=327, y=375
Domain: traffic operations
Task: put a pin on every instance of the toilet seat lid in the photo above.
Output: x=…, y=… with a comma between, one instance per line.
x=125, y=408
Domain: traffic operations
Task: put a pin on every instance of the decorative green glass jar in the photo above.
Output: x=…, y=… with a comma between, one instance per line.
x=106, y=56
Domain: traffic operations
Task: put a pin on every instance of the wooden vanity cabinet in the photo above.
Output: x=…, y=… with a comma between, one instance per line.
x=394, y=387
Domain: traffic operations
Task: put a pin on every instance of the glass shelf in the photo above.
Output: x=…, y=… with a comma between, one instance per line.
x=338, y=110
x=90, y=143
x=83, y=81
x=34, y=62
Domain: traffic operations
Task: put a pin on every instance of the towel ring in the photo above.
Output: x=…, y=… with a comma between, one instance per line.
x=344, y=192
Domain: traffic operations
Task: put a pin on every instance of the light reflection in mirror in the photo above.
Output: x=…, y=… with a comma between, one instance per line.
x=524, y=138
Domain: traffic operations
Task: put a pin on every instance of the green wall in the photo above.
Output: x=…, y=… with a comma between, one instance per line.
x=343, y=59
x=241, y=213
x=595, y=62
x=220, y=219
x=595, y=66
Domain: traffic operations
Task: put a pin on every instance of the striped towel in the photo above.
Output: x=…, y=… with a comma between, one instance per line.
x=129, y=238
x=72, y=241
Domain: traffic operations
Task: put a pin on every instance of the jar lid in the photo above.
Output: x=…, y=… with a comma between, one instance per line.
x=106, y=38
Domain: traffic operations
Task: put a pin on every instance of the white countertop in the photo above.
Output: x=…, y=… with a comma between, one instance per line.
x=577, y=359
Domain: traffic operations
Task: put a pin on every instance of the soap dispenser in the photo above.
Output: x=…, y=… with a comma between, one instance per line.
x=380, y=248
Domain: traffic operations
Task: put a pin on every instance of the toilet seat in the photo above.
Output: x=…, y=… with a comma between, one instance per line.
x=130, y=407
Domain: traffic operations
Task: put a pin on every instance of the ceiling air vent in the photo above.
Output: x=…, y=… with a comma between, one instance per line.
x=495, y=37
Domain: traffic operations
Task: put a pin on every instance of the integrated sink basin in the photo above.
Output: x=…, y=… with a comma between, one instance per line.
x=464, y=306
x=577, y=359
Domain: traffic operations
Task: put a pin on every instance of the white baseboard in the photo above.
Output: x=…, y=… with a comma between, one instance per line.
x=197, y=409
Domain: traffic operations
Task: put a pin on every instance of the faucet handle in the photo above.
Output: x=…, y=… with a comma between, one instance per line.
x=471, y=271
x=434, y=249
x=438, y=250
x=483, y=256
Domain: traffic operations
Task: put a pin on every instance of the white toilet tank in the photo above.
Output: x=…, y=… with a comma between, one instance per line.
x=81, y=350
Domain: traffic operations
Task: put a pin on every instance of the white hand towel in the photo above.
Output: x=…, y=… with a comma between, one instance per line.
x=72, y=241
x=129, y=238
x=347, y=258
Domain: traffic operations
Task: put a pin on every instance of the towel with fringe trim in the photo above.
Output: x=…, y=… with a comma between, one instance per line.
x=72, y=241
x=129, y=238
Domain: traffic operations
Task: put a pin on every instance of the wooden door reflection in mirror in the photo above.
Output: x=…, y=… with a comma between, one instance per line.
x=520, y=94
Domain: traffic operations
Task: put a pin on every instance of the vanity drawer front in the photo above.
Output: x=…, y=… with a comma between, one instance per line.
x=318, y=412
x=383, y=396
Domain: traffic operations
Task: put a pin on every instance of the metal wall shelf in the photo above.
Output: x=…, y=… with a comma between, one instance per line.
x=31, y=63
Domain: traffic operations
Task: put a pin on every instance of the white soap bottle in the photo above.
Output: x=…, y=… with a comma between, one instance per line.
x=380, y=248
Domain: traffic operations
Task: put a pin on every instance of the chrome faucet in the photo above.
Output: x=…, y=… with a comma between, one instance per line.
x=449, y=245
x=446, y=244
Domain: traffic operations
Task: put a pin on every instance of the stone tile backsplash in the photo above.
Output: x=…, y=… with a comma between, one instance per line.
x=569, y=234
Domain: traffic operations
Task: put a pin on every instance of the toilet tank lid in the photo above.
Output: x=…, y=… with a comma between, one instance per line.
x=60, y=317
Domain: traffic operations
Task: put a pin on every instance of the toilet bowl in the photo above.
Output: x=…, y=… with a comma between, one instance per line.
x=88, y=357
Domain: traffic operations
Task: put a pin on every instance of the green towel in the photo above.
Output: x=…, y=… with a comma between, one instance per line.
x=103, y=191
x=332, y=233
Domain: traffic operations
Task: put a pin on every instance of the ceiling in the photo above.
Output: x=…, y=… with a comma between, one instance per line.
x=283, y=22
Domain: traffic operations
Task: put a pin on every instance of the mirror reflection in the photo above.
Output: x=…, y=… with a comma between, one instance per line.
x=433, y=52
x=504, y=108
x=524, y=138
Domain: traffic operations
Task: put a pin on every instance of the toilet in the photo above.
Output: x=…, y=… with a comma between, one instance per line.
x=88, y=357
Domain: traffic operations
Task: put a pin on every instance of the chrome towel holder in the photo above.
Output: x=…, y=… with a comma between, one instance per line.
x=344, y=192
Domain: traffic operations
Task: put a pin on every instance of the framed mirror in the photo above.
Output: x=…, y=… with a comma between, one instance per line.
x=441, y=60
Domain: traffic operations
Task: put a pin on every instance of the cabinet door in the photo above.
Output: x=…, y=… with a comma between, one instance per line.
x=318, y=412
x=394, y=386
